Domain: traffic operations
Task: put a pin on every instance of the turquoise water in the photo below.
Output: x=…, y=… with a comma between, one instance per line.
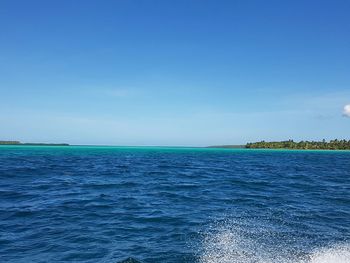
x=173, y=204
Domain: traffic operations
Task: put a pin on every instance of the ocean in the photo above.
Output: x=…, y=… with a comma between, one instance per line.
x=173, y=205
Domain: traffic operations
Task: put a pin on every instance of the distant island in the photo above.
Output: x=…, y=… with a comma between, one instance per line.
x=290, y=144
x=313, y=145
x=33, y=144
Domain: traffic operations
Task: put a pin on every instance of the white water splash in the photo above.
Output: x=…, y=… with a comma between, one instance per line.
x=337, y=254
x=228, y=245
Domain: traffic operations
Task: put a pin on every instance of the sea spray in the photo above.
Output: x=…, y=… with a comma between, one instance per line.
x=335, y=254
x=233, y=241
x=239, y=241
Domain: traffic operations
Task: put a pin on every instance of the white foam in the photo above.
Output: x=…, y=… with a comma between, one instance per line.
x=231, y=245
x=337, y=254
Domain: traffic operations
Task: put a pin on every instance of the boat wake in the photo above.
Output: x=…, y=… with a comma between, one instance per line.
x=233, y=245
x=338, y=254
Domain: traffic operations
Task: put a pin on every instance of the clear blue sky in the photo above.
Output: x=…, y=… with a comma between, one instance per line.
x=181, y=72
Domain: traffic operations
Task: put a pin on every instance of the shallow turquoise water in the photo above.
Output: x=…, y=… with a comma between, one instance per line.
x=172, y=204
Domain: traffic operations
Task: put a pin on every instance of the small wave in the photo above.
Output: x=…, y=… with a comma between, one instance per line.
x=129, y=260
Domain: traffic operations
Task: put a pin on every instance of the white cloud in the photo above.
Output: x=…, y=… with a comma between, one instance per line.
x=346, y=111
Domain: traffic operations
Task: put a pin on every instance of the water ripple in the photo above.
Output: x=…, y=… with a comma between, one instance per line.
x=105, y=204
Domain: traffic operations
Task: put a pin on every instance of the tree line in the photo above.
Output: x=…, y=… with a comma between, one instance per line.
x=33, y=144
x=290, y=144
x=10, y=142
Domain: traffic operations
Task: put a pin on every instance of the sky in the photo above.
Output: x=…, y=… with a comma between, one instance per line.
x=181, y=72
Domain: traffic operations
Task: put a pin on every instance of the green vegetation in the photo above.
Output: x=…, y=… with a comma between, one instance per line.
x=33, y=144
x=315, y=145
x=9, y=142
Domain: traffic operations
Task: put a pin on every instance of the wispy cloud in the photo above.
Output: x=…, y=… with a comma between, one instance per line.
x=346, y=111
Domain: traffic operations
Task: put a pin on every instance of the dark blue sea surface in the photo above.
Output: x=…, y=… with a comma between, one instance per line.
x=173, y=205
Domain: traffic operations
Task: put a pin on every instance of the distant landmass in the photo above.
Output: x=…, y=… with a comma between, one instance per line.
x=290, y=144
x=33, y=144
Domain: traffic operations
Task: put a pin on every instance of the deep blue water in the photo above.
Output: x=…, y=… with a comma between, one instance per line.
x=104, y=204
